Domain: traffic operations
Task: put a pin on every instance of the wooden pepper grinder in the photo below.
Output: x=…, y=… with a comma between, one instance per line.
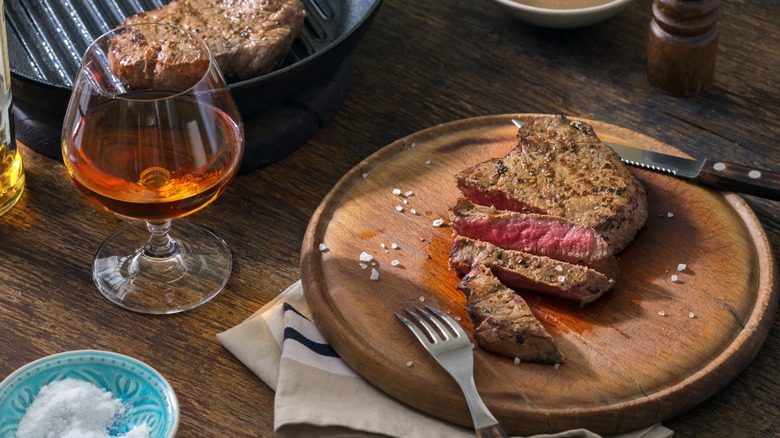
x=682, y=45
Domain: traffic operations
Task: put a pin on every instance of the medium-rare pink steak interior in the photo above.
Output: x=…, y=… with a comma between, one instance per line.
x=547, y=217
x=531, y=232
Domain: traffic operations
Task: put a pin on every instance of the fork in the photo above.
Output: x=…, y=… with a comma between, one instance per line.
x=453, y=351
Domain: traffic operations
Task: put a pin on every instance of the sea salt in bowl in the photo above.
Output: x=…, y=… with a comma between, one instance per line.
x=147, y=396
x=563, y=14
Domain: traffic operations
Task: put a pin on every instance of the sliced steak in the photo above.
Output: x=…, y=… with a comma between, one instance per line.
x=246, y=37
x=521, y=270
x=503, y=322
x=561, y=168
x=534, y=233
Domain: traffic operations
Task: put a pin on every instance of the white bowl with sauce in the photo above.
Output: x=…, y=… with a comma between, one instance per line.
x=563, y=14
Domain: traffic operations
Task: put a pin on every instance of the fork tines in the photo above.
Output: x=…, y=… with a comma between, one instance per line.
x=446, y=327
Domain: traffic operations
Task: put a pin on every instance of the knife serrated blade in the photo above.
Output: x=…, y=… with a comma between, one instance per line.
x=676, y=166
x=714, y=173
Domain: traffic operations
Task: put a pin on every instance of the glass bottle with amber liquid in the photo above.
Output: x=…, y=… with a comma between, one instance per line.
x=11, y=170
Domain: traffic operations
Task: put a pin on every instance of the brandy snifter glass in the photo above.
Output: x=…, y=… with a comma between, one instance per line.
x=152, y=134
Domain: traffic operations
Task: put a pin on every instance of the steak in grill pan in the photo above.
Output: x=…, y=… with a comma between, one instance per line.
x=246, y=37
x=282, y=109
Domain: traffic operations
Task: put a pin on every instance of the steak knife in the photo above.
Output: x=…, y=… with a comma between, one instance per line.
x=714, y=173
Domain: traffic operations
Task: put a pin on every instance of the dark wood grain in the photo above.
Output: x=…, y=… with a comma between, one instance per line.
x=421, y=64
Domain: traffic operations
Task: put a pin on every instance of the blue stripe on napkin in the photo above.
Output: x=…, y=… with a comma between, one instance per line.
x=321, y=349
x=293, y=334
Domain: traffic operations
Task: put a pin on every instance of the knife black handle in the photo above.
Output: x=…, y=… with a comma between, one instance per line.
x=742, y=179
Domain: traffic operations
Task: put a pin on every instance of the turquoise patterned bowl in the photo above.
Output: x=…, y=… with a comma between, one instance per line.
x=146, y=394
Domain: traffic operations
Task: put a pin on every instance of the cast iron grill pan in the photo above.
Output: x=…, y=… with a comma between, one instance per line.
x=46, y=40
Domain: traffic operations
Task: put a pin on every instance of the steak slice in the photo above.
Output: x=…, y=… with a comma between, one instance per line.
x=534, y=233
x=521, y=270
x=246, y=37
x=503, y=321
x=561, y=168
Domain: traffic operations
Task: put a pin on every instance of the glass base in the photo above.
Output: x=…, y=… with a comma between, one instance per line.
x=195, y=271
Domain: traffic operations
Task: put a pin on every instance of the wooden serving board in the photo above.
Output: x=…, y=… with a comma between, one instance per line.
x=646, y=351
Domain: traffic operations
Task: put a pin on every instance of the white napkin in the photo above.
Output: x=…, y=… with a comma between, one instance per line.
x=318, y=395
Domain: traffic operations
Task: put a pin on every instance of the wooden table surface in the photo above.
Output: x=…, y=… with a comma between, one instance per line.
x=421, y=64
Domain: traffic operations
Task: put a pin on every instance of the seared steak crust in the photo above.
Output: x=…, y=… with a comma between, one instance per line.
x=503, y=322
x=155, y=57
x=246, y=37
x=530, y=232
x=561, y=168
x=521, y=270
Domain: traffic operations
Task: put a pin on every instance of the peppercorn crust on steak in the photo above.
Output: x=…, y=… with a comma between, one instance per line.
x=561, y=168
x=503, y=321
x=246, y=37
x=525, y=271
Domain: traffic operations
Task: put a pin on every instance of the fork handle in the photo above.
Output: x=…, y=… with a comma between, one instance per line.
x=485, y=423
x=494, y=431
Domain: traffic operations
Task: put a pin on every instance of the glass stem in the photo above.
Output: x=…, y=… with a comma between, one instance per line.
x=160, y=244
